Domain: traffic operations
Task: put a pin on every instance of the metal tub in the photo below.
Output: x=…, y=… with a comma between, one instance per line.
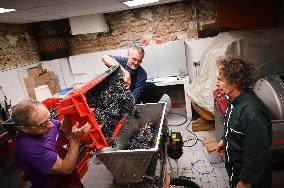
x=131, y=165
x=270, y=91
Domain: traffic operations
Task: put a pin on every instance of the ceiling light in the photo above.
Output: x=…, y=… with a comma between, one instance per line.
x=134, y=3
x=4, y=10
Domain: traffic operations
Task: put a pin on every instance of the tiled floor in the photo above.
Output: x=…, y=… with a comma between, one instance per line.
x=194, y=162
x=97, y=176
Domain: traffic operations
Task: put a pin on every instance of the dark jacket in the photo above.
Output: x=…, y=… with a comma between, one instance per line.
x=247, y=138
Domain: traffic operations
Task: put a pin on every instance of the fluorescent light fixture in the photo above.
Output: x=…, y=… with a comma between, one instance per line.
x=4, y=10
x=135, y=3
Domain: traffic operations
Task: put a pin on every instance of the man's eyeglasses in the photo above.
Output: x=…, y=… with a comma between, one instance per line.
x=138, y=61
x=44, y=124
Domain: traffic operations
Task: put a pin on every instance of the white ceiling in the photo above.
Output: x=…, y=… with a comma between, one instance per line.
x=28, y=11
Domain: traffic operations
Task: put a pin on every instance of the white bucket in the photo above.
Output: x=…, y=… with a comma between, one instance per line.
x=42, y=93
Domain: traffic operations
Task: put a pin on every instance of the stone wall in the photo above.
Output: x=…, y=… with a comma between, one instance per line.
x=169, y=22
x=16, y=46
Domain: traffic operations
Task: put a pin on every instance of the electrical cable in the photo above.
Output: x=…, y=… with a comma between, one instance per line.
x=202, y=162
x=196, y=139
x=177, y=167
x=175, y=113
x=191, y=144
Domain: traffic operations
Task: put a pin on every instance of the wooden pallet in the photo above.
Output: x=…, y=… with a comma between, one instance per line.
x=203, y=125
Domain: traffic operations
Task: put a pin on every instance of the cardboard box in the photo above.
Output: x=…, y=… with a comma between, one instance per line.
x=30, y=81
x=31, y=90
x=33, y=81
x=37, y=77
x=57, y=88
x=51, y=75
x=203, y=113
x=44, y=77
x=203, y=125
x=32, y=96
x=35, y=71
x=51, y=83
x=53, y=90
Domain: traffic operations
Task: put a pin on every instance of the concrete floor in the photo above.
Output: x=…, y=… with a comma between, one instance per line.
x=196, y=163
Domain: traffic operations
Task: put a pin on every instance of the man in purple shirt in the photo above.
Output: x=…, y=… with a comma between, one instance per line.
x=134, y=75
x=42, y=147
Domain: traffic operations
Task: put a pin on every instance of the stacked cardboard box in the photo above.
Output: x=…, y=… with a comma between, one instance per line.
x=37, y=77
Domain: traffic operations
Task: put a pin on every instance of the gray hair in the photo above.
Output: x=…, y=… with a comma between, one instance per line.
x=136, y=47
x=21, y=112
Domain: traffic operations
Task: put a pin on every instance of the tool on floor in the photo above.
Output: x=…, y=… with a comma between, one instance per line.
x=175, y=144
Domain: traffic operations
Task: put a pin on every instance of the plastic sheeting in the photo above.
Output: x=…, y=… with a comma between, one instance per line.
x=263, y=48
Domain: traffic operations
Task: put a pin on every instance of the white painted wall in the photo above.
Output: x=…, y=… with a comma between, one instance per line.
x=194, y=50
x=160, y=60
x=12, y=86
x=94, y=23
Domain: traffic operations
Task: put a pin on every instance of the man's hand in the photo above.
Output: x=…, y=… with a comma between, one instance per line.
x=242, y=184
x=111, y=62
x=68, y=164
x=220, y=148
x=78, y=132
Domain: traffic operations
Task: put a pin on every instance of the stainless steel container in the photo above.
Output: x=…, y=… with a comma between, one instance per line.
x=270, y=90
x=131, y=165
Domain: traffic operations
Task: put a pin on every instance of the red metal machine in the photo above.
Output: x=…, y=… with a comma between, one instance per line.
x=75, y=108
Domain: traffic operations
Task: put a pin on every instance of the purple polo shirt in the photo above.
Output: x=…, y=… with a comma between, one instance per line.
x=36, y=154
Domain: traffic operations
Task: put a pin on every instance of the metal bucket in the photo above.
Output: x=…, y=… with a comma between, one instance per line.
x=131, y=165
